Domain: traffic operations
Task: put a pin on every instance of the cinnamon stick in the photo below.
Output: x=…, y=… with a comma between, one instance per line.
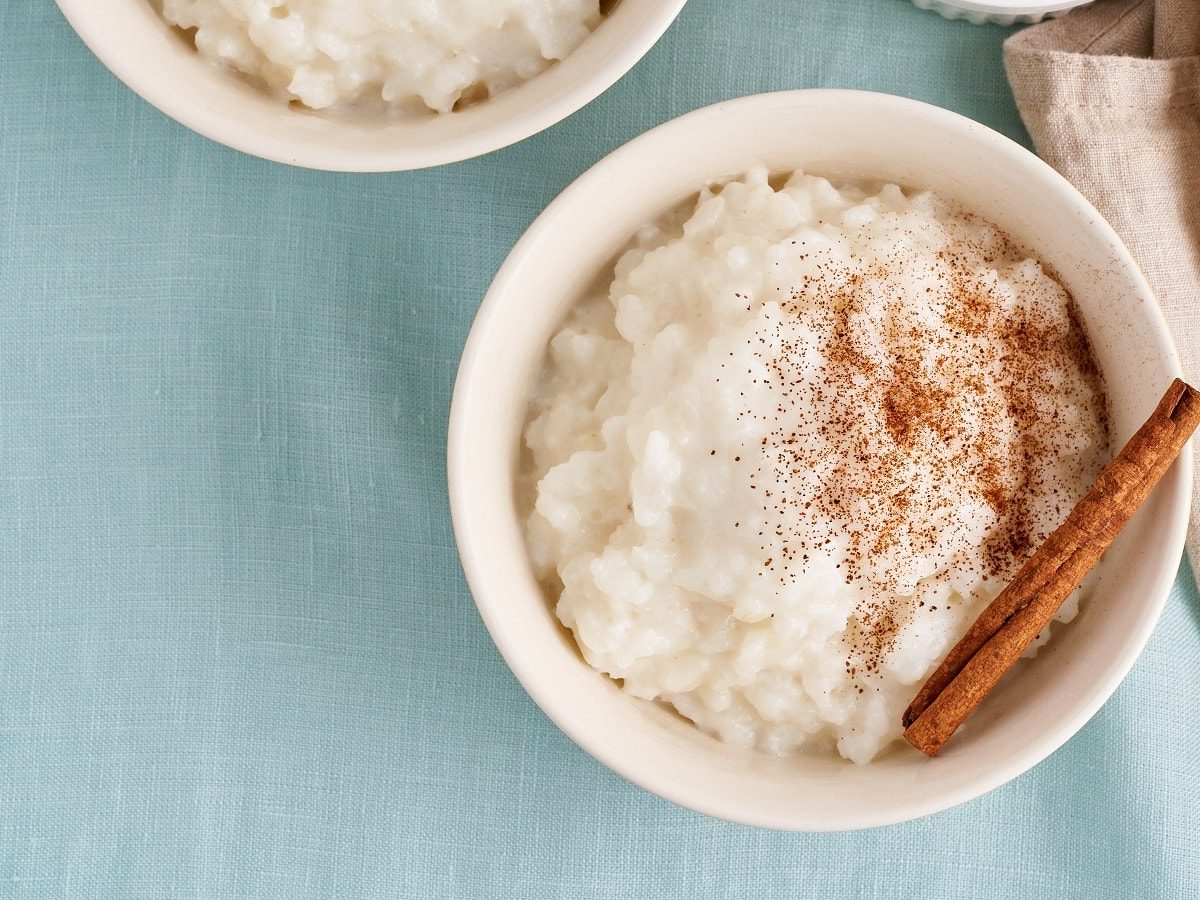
x=1029, y=603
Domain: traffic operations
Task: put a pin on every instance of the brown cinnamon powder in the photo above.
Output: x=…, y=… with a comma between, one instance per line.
x=998, y=369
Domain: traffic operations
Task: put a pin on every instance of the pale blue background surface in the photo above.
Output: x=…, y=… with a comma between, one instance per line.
x=237, y=656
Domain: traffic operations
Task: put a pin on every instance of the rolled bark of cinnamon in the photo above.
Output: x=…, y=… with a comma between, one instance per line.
x=1029, y=603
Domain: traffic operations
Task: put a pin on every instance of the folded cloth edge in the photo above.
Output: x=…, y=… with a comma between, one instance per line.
x=1055, y=77
x=1092, y=113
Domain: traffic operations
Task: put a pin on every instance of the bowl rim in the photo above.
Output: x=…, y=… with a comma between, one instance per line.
x=86, y=17
x=473, y=560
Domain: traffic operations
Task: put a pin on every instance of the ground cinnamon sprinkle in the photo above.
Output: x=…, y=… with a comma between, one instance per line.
x=1005, y=629
x=975, y=397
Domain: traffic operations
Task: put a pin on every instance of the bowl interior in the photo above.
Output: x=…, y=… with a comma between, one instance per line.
x=839, y=134
x=158, y=63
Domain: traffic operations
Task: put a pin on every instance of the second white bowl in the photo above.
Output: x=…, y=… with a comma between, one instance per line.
x=144, y=52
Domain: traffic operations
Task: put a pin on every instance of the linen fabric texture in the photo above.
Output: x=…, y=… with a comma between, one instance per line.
x=237, y=655
x=1110, y=94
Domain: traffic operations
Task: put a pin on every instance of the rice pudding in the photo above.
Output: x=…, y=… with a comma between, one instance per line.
x=776, y=468
x=406, y=55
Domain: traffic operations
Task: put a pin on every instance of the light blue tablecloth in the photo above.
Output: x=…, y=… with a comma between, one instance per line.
x=237, y=656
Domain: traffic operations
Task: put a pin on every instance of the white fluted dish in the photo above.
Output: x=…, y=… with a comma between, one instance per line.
x=1007, y=12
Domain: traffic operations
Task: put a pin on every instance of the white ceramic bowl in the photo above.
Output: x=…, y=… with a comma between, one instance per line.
x=144, y=52
x=1000, y=12
x=840, y=134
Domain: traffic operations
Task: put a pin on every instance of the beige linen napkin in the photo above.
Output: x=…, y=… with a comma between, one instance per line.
x=1110, y=94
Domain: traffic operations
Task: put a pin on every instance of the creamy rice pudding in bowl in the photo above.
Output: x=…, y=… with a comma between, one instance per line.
x=758, y=416
x=369, y=85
